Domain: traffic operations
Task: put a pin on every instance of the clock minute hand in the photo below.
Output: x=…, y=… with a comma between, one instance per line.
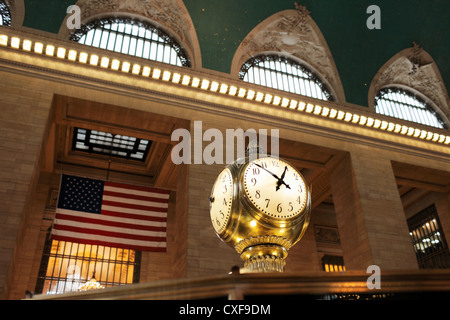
x=273, y=174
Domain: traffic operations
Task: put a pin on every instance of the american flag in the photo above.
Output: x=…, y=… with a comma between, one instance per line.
x=111, y=214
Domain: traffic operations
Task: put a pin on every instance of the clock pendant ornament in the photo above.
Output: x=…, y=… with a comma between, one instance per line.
x=260, y=206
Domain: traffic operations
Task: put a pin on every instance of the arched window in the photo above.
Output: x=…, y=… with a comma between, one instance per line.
x=284, y=74
x=403, y=104
x=5, y=14
x=132, y=37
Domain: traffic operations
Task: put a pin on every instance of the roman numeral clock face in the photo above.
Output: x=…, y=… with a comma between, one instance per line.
x=275, y=188
x=221, y=200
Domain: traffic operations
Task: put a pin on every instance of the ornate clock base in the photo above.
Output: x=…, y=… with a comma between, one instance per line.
x=264, y=258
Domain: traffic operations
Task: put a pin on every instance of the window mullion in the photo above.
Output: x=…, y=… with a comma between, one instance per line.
x=100, y=34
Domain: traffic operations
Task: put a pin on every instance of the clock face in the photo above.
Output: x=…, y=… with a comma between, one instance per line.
x=275, y=188
x=221, y=200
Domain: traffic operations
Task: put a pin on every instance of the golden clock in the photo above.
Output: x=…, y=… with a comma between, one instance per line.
x=260, y=206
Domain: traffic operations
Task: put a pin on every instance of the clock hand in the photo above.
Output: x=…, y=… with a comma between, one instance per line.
x=281, y=180
x=284, y=173
x=273, y=174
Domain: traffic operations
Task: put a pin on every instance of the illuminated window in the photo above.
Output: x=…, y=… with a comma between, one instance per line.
x=403, y=104
x=333, y=263
x=284, y=74
x=5, y=14
x=65, y=266
x=429, y=240
x=133, y=38
x=105, y=143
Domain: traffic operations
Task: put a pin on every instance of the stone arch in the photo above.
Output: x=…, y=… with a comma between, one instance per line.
x=171, y=16
x=413, y=68
x=292, y=33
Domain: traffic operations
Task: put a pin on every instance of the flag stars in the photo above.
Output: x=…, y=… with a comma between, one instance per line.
x=81, y=194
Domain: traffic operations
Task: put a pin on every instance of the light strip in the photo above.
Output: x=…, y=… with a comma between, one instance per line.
x=50, y=50
x=176, y=78
x=72, y=55
x=3, y=39
x=104, y=62
x=117, y=65
x=137, y=69
x=146, y=71
x=61, y=53
x=15, y=43
x=26, y=45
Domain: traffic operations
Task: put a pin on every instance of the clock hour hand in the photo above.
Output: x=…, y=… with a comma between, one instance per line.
x=281, y=180
x=284, y=173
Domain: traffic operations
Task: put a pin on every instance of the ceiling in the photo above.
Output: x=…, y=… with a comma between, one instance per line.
x=157, y=169
x=358, y=52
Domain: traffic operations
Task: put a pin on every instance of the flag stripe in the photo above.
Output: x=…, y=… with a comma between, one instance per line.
x=113, y=214
x=64, y=218
x=125, y=201
x=156, y=247
x=124, y=195
x=136, y=192
x=132, y=214
x=155, y=222
x=138, y=188
x=82, y=229
x=132, y=206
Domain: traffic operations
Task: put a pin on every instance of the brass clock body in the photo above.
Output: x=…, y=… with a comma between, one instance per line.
x=222, y=196
x=266, y=213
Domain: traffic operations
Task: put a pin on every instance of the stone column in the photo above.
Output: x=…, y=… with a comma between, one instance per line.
x=369, y=214
x=23, y=122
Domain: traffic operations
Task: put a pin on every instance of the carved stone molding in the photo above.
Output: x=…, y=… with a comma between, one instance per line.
x=169, y=15
x=327, y=235
x=415, y=69
x=292, y=33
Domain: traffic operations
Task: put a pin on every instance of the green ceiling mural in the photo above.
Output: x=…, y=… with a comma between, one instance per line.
x=358, y=51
